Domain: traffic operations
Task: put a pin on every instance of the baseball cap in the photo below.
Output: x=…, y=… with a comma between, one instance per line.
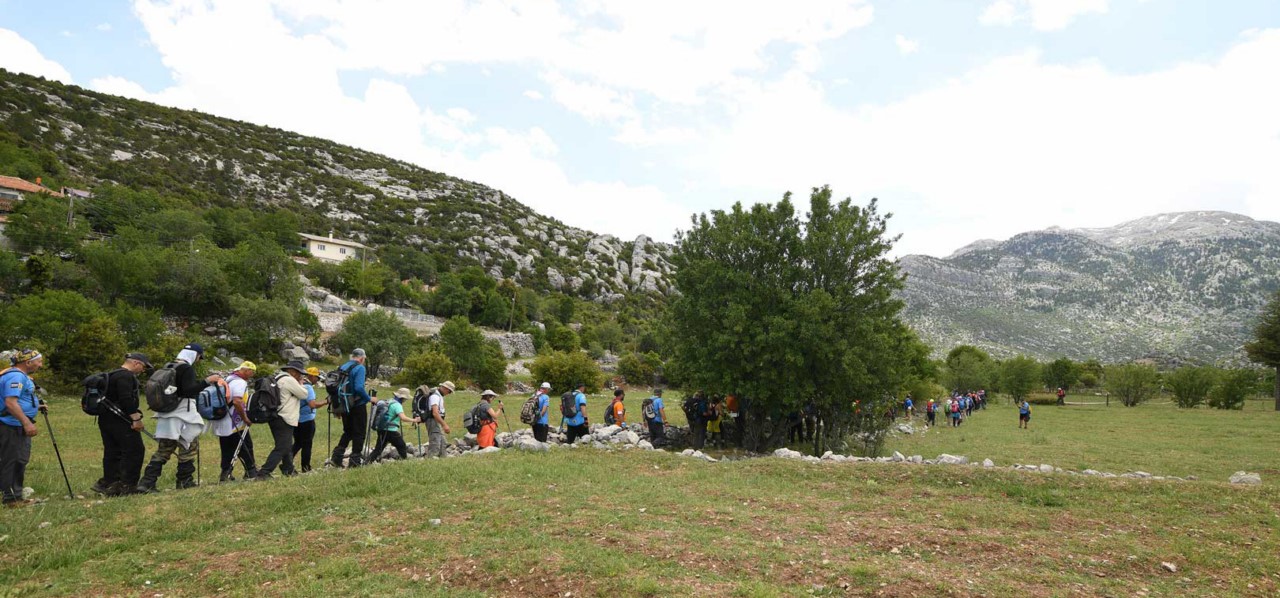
x=141, y=358
x=247, y=365
x=546, y=385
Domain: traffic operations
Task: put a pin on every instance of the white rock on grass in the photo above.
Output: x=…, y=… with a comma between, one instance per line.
x=1046, y=468
x=628, y=437
x=1244, y=477
x=787, y=453
x=946, y=459
x=917, y=459
x=897, y=457
x=645, y=444
x=526, y=443
x=988, y=463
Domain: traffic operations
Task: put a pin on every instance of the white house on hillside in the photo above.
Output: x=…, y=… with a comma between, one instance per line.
x=330, y=249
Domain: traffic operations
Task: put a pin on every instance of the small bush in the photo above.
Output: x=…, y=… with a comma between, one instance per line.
x=1191, y=385
x=564, y=369
x=1232, y=388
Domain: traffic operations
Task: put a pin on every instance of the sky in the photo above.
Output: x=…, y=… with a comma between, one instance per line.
x=966, y=119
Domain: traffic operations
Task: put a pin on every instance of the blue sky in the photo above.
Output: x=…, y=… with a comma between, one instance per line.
x=967, y=119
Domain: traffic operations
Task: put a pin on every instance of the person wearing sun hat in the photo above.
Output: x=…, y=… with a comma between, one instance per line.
x=437, y=429
x=306, y=431
x=488, y=419
x=391, y=435
x=232, y=430
x=285, y=421
x=18, y=423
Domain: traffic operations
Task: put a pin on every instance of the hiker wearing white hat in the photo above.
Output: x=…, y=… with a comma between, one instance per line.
x=488, y=433
x=437, y=429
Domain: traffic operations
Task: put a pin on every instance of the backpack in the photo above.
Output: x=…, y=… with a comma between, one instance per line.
x=474, y=417
x=647, y=410
x=692, y=409
x=529, y=411
x=95, y=392
x=336, y=386
x=162, y=389
x=212, y=402
x=608, y=415
x=420, y=403
x=264, y=403
x=381, y=417
x=955, y=407
x=569, y=405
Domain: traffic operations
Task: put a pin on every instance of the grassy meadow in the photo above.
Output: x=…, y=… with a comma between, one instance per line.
x=595, y=523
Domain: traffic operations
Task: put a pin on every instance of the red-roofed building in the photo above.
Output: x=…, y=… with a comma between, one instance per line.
x=11, y=191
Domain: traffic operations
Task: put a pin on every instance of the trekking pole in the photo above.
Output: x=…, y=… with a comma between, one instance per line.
x=328, y=436
x=129, y=420
x=70, y=493
x=198, y=466
x=236, y=455
x=504, y=416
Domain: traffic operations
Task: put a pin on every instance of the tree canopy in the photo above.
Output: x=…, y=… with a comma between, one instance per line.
x=1265, y=347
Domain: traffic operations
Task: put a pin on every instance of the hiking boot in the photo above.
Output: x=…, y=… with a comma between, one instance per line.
x=147, y=484
x=226, y=476
x=19, y=503
x=100, y=487
x=186, y=475
x=116, y=489
x=262, y=477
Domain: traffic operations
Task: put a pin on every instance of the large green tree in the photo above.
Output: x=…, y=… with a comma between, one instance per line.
x=970, y=369
x=1191, y=385
x=1019, y=376
x=1265, y=346
x=1134, y=383
x=783, y=310
x=380, y=333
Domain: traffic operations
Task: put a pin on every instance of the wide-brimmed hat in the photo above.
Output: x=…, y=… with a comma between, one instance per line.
x=488, y=393
x=546, y=385
x=296, y=366
x=447, y=384
x=314, y=371
x=403, y=393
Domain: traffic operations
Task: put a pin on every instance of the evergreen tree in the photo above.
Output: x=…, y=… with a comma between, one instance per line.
x=1265, y=347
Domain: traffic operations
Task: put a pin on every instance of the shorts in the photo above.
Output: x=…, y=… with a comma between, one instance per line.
x=1024, y=417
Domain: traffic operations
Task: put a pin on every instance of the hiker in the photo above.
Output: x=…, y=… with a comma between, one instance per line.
x=488, y=419
x=617, y=412
x=284, y=423
x=1062, y=396
x=795, y=427
x=655, y=415
x=909, y=407
x=305, y=433
x=122, y=447
x=540, y=419
x=178, y=430
x=697, y=411
x=19, y=419
x=390, y=433
x=573, y=406
x=954, y=406
x=931, y=412
x=437, y=429
x=355, y=423
x=233, y=429
x=731, y=407
x=1024, y=414
x=714, y=436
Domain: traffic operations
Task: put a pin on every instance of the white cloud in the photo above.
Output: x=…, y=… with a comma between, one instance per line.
x=18, y=54
x=1044, y=15
x=103, y=27
x=533, y=94
x=1020, y=144
x=906, y=46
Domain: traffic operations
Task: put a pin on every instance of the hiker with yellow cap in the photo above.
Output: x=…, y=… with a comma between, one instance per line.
x=233, y=429
x=305, y=433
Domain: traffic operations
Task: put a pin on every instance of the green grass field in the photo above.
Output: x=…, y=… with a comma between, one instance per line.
x=637, y=523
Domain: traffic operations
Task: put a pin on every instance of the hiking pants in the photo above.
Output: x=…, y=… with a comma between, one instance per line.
x=165, y=449
x=699, y=428
x=572, y=433
x=931, y=417
x=122, y=451
x=228, y=445
x=15, y=453
x=540, y=432
x=488, y=434
x=657, y=433
x=303, y=436
x=355, y=426
x=282, y=454
x=393, y=438
x=435, y=439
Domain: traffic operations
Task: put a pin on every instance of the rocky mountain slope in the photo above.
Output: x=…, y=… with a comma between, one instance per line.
x=1186, y=285
x=357, y=194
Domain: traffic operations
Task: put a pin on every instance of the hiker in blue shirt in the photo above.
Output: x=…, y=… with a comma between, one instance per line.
x=909, y=406
x=355, y=424
x=576, y=425
x=655, y=415
x=540, y=423
x=1024, y=414
x=18, y=423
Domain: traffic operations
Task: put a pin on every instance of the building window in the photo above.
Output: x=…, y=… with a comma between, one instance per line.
x=342, y=250
x=319, y=247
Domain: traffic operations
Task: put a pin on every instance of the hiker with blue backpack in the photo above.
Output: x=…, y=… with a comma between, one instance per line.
x=573, y=408
x=171, y=394
x=232, y=429
x=283, y=395
x=349, y=405
x=387, y=423
x=120, y=425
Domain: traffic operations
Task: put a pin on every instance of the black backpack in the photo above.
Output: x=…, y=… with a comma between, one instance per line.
x=162, y=389
x=609, y=418
x=692, y=407
x=421, y=408
x=264, y=403
x=569, y=404
x=475, y=417
x=95, y=392
x=335, y=385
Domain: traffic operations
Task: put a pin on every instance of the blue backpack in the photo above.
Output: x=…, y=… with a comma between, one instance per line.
x=212, y=403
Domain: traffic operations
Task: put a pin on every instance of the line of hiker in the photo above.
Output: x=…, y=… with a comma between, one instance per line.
x=955, y=409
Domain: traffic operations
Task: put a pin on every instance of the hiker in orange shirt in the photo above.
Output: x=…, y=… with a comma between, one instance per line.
x=489, y=419
x=731, y=408
x=618, y=409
